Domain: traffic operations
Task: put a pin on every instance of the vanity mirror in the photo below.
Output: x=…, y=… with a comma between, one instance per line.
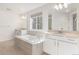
x=54, y=17
x=65, y=19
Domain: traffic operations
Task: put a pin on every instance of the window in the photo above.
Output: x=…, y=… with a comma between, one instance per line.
x=74, y=22
x=37, y=21
x=34, y=23
x=50, y=22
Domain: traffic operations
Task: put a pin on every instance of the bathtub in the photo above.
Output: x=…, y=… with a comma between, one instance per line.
x=31, y=39
x=30, y=44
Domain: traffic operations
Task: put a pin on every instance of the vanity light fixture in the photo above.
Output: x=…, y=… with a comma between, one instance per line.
x=65, y=5
x=56, y=7
x=61, y=6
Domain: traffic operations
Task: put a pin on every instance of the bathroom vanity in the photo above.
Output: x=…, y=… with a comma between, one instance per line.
x=59, y=44
x=30, y=44
x=65, y=20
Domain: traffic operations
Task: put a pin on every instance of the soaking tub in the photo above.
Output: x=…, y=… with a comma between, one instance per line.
x=30, y=44
x=31, y=39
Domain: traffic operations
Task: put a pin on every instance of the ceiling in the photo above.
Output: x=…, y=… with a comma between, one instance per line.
x=25, y=7
x=19, y=7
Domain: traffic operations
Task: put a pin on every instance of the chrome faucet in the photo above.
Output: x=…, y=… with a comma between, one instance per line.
x=61, y=30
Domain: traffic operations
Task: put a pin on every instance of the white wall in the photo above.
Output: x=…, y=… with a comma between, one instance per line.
x=8, y=23
x=77, y=19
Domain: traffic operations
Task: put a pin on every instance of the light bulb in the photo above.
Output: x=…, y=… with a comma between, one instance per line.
x=23, y=17
x=56, y=7
x=60, y=6
x=65, y=5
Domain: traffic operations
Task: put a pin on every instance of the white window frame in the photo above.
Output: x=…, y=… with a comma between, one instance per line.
x=36, y=16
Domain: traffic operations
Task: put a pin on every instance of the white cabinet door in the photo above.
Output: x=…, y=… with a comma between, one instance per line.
x=50, y=47
x=66, y=48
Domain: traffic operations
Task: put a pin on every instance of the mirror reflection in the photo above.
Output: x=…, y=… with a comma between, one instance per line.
x=55, y=17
